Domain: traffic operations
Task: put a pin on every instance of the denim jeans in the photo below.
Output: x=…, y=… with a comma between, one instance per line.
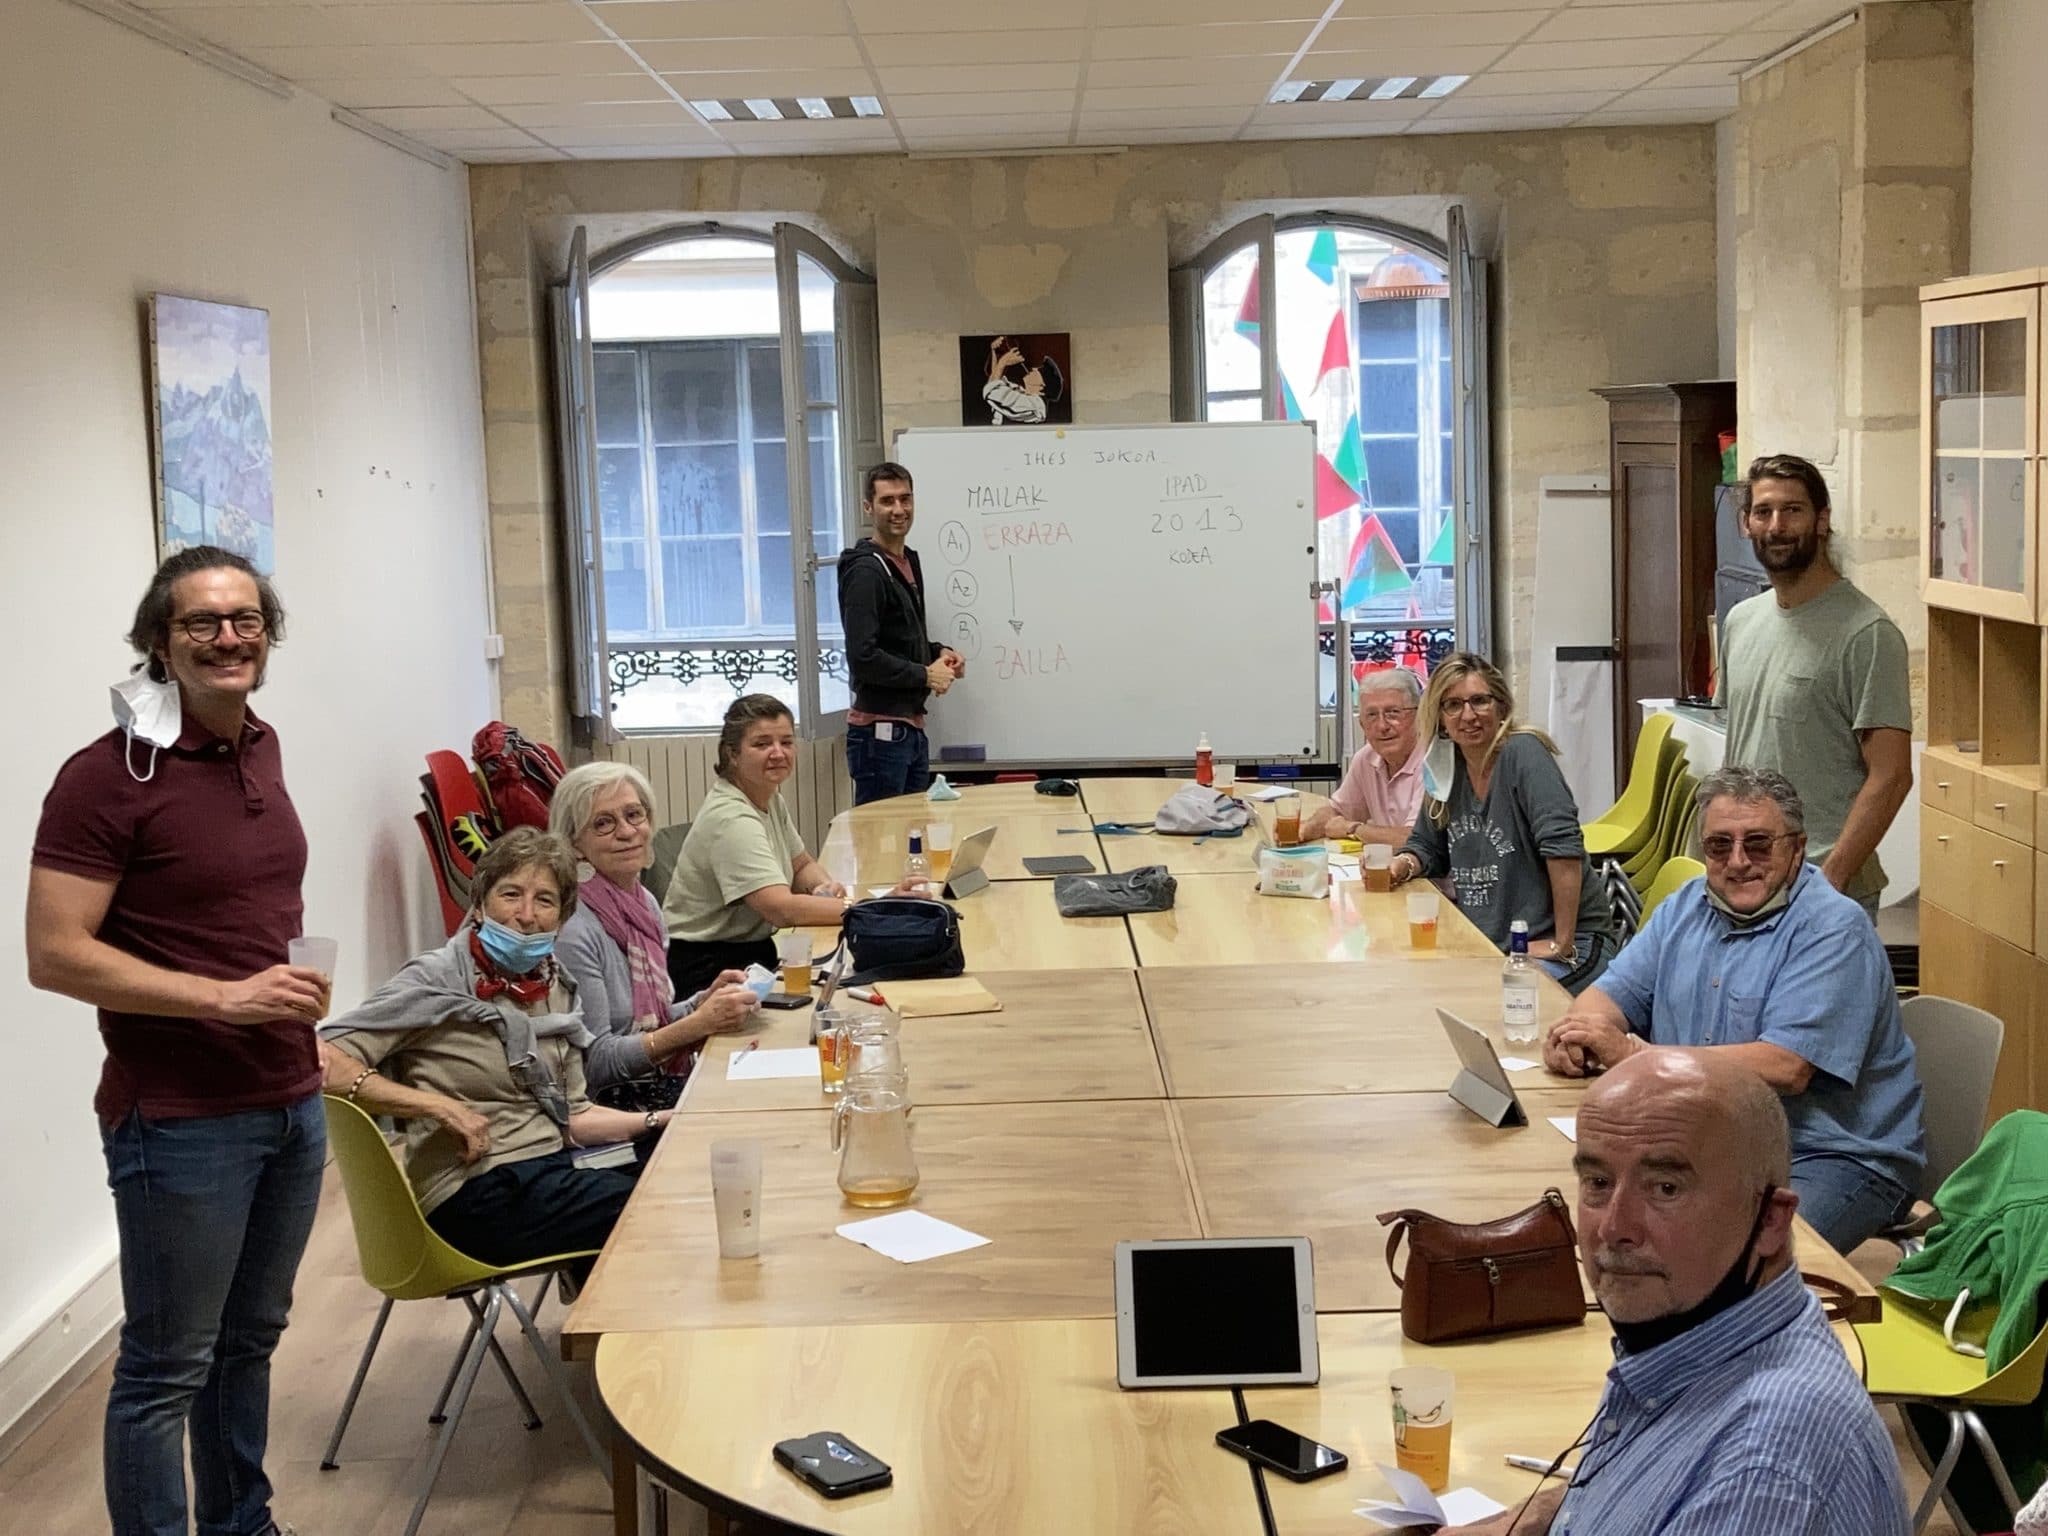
x=213, y=1214
x=1591, y=954
x=900, y=766
x=1845, y=1201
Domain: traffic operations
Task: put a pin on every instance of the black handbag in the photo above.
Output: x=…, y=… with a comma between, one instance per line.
x=901, y=938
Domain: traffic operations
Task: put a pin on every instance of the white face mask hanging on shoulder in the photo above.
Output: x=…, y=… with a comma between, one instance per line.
x=149, y=709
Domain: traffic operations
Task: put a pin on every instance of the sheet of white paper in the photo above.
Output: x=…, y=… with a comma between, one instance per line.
x=1418, y=1506
x=1463, y=1506
x=1268, y=794
x=879, y=890
x=1344, y=864
x=1567, y=1126
x=797, y=1061
x=909, y=1237
x=1394, y=1517
x=1518, y=1063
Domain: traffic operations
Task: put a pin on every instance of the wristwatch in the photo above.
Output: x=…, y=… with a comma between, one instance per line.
x=653, y=1120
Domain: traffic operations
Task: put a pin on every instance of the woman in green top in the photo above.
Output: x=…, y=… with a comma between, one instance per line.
x=1499, y=820
x=743, y=872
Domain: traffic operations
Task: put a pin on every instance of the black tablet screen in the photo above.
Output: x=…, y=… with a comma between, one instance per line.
x=1215, y=1311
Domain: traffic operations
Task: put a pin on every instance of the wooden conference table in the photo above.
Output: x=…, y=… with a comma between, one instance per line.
x=1240, y=1066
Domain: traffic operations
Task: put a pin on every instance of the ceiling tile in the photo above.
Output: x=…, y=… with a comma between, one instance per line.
x=917, y=15
x=711, y=151
x=1414, y=59
x=1187, y=13
x=536, y=155
x=1113, y=119
x=981, y=77
x=1539, y=105
x=358, y=94
x=751, y=54
x=1243, y=95
x=680, y=137
x=412, y=119
x=727, y=85
x=599, y=58
x=1808, y=14
x=1283, y=131
x=1282, y=37
x=1711, y=101
x=1262, y=69
x=1479, y=29
x=1532, y=81
x=969, y=143
x=268, y=26
x=941, y=48
x=1322, y=113
x=866, y=136
x=1745, y=47
x=960, y=103
x=1695, y=75
x=1356, y=8
x=1529, y=124
x=1007, y=124
x=476, y=138
x=1618, y=52
x=1612, y=119
x=1693, y=18
x=1109, y=138
x=535, y=90
x=336, y=63
x=595, y=114
x=665, y=20
x=552, y=22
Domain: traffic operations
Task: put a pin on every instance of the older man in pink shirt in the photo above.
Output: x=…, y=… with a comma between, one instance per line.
x=1382, y=789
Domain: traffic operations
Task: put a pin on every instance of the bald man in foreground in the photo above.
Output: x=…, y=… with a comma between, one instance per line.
x=1731, y=1409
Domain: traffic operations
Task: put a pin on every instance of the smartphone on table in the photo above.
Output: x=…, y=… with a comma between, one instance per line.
x=833, y=1464
x=1282, y=1450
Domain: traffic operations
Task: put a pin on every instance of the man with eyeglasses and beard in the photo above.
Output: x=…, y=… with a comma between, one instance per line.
x=1764, y=962
x=1730, y=1409
x=164, y=889
x=1814, y=677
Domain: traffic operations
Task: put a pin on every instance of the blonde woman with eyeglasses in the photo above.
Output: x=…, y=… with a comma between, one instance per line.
x=1499, y=820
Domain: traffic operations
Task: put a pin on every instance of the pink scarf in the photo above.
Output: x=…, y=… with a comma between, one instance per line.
x=634, y=923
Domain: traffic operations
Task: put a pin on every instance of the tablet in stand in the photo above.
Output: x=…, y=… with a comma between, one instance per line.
x=1482, y=1084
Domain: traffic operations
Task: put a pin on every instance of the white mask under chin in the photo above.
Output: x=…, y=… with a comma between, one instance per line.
x=146, y=708
x=1438, y=766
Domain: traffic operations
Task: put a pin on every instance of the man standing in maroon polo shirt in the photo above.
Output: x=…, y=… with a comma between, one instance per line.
x=164, y=889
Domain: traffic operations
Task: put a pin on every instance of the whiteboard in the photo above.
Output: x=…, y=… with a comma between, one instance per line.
x=1117, y=591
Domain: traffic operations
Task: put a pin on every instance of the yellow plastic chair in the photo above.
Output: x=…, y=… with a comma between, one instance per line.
x=1632, y=819
x=1671, y=815
x=1674, y=872
x=408, y=1261
x=1907, y=1361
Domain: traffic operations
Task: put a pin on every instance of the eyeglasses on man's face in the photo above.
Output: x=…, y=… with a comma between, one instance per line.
x=1390, y=714
x=1756, y=846
x=247, y=623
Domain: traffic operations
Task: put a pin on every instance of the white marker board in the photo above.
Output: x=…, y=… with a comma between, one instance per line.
x=1117, y=591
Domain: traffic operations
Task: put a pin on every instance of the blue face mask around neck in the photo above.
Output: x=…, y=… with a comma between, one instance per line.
x=511, y=951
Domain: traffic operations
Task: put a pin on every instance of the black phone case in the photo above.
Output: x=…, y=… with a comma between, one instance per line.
x=1293, y=1476
x=830, y=1477
x=785, y=1000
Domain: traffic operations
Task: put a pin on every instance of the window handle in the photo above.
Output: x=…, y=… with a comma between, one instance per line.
x=1998, y=863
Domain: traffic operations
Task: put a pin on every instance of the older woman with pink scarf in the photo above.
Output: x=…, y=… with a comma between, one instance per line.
x=614, y=947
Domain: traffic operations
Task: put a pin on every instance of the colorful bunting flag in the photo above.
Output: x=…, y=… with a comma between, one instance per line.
x=1443, y=550
x=1376, y=568
x=1349, y=460
x=1290, y=407
x=1333, y=492
x=1336, y=348
x=1322, y=255
x=1248, y=306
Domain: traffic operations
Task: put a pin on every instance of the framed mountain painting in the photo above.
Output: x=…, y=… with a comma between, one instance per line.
x=210, y=366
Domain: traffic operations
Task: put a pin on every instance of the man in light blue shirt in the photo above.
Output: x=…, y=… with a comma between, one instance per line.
x=1730, y=1409
x=1762, y=958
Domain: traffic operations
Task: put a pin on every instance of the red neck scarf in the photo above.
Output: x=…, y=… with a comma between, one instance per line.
x=521, y=989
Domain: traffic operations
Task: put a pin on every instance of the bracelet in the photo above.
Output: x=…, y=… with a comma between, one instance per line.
x=652, y=1123
x=361, y=1077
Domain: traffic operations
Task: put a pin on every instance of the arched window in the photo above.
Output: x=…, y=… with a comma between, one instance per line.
x=1355, y=326
x=713, y=471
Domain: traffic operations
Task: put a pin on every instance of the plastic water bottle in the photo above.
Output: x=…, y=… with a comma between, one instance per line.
x=1518, y=988
x=917, y=869
x=1205, y=761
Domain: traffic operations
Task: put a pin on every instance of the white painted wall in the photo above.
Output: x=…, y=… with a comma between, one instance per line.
x=2008, y=212
x=1725, y=149
x=131, y=169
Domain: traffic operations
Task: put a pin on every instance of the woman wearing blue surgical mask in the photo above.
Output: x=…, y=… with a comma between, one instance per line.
x=478, y=1046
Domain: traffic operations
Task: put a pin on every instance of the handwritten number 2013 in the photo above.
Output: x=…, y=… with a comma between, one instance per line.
x=1205, y=521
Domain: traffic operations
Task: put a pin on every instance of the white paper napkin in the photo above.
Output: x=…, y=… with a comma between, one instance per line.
x=796, y=1061
x=1567, y=1126
x=910, y=1237
x=1418, y=1506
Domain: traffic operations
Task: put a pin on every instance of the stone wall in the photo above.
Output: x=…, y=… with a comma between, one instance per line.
x=1852, y=188
x=1604, y=245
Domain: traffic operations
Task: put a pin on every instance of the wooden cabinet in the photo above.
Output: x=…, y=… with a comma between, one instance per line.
x=1961, y=961
x=1665, y=459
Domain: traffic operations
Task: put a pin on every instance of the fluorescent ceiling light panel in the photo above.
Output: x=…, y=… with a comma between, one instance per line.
x=814, y=106
x=866, y=106
x=1442, y=85
x=711, y=111
x=1387, y=90
x=1290, y=90
x=1340, y=90
x=764, y=109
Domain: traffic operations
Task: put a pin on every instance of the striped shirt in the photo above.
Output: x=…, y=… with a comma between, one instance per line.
x=1752, y=1424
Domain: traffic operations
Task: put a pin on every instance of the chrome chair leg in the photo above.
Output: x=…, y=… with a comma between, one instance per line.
x=1938, y=1472
x=472, y=1362
x=1989, y=1451
x=439, y=1413
x=560, y=1378
x=328, y=1457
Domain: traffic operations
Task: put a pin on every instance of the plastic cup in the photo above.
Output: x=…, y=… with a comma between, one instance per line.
x=1378, y=865
x=1287, y=820
x=835, y=1048
x=736, y=1195
x=793, y=950
x=938, y=849
x=1422, y=913
x=1224, y=776
x=1422, y=1423
x=315, y=954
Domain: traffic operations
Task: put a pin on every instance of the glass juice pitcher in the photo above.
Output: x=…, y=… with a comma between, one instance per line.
x=871, y=1134
x=873, y=1045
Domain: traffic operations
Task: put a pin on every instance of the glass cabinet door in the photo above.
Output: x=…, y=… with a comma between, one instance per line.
x=1980, y=356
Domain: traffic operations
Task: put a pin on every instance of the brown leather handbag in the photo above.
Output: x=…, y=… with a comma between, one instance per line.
x=1521, y=1271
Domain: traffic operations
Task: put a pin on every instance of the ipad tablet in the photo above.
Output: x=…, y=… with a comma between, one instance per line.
x=1216, y=1312
x=1482, y=1084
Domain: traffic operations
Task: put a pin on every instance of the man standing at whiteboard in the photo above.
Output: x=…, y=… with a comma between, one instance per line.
x=895, y=665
